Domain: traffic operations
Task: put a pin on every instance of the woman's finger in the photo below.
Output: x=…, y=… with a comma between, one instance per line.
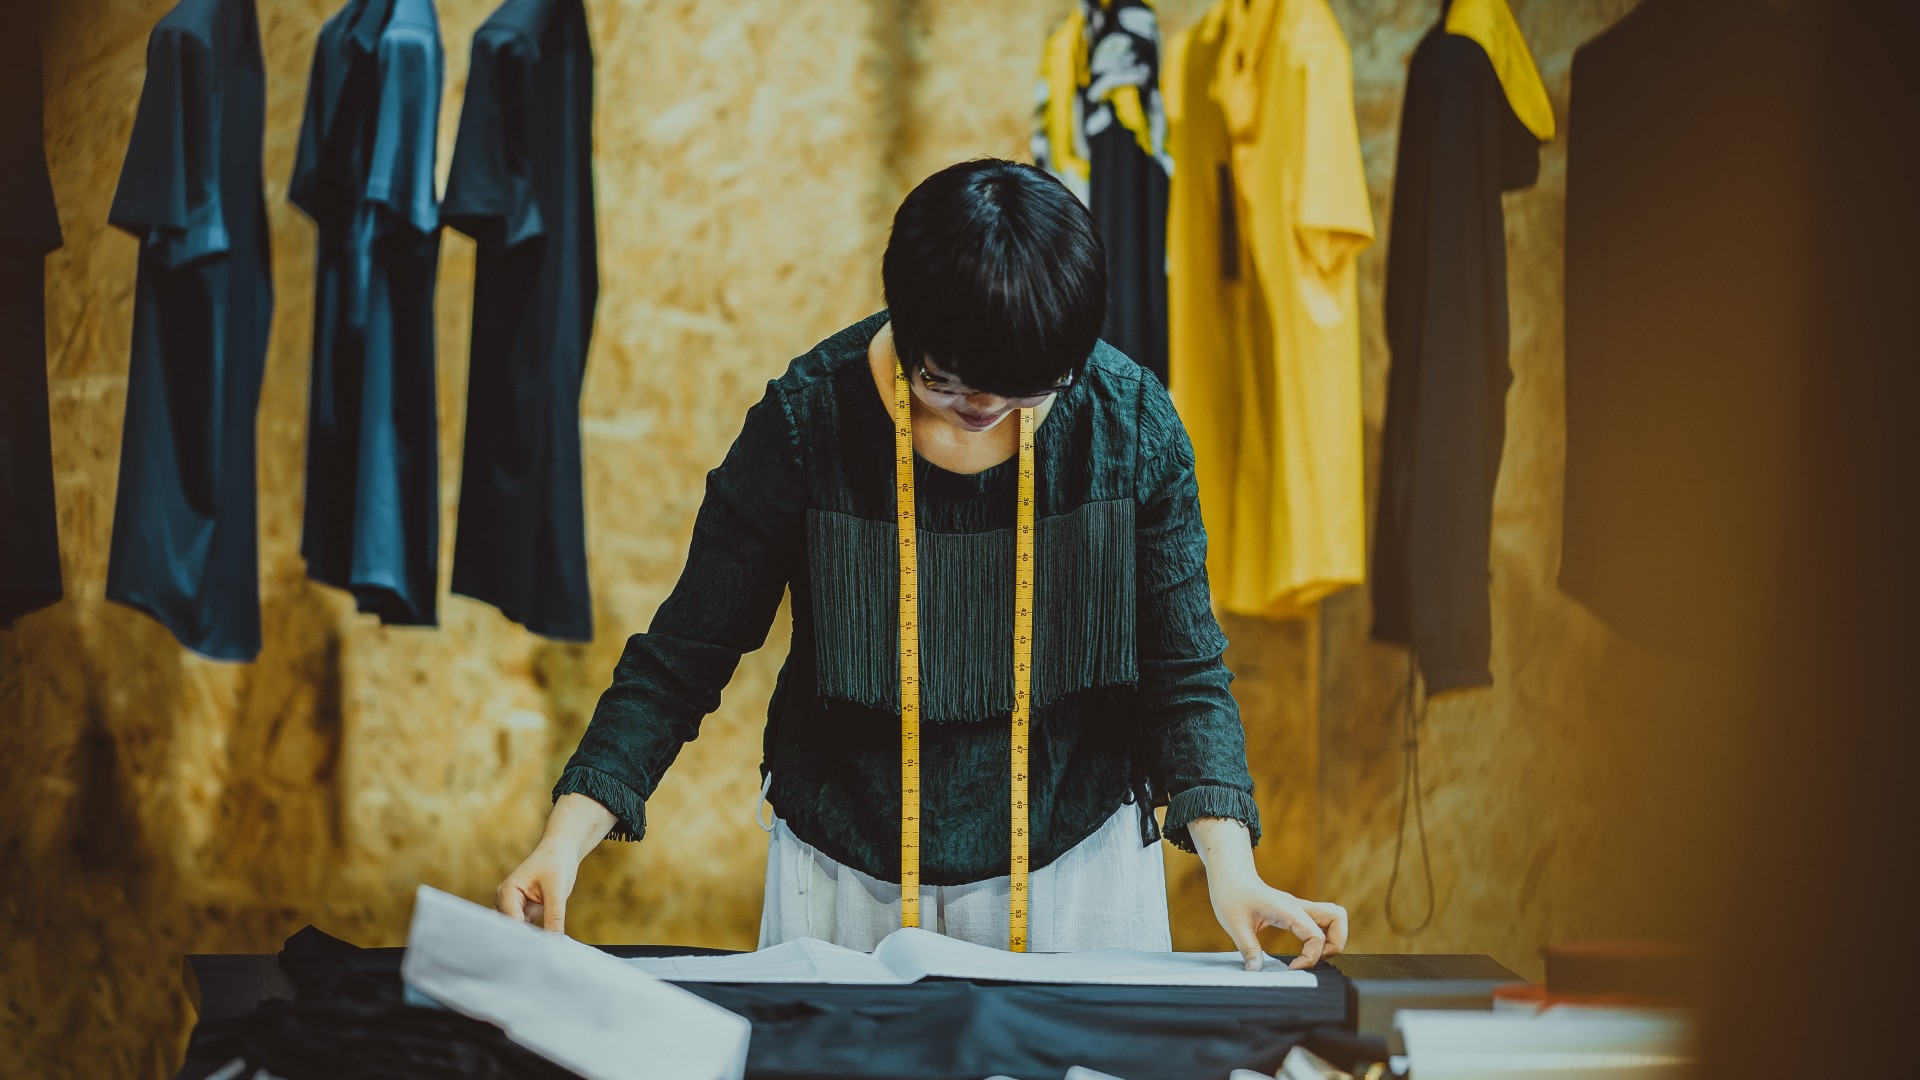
x=507, y=900
x=1246, y=938
x=556, y=915
x=536, y=912
x=1313, y=941
x=1333, y=919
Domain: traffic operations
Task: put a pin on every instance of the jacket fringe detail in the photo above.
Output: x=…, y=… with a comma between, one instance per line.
x=629, y=809
x=1085, y=629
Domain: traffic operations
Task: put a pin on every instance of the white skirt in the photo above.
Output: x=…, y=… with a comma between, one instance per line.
x=1108, y=892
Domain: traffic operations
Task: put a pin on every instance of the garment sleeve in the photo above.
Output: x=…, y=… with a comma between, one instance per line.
x=169, y=193
x=400, y=174
x=1459, y=423
x=490, y=187
x=1190, y=735
x=1333, y=222
x=28, y=217
x=303, y=186
x=745, y=541
x=169, y=197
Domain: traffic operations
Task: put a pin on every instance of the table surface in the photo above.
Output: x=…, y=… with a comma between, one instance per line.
x=227, y=985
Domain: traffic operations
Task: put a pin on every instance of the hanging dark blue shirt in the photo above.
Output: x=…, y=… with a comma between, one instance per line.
x=185, y=538
x=522, y=186
x=365, y=174
x=29, y=228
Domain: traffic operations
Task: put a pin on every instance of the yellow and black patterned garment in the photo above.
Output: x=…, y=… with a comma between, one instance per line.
x=1099, y=126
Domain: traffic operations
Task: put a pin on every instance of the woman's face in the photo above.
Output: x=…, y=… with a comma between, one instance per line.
x=965, y=408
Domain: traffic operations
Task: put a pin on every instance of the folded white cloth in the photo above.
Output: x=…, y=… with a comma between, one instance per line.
x=568, y=1002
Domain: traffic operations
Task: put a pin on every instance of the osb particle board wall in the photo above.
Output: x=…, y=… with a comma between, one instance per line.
x=749, y=156
x=1587, y=793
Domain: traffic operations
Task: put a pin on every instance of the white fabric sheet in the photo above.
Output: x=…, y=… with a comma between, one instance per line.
x=568, y=1002
x=1560, y=1044
x=911, y=954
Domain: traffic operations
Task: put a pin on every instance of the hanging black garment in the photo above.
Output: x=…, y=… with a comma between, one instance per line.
x=522, y=187
x=29, y=229
x=185, y=545
x=1129, y=201
x=1461, y=145
x=1739, y=254
x=1100, y=128
x=365, y=174
x=1127, y=183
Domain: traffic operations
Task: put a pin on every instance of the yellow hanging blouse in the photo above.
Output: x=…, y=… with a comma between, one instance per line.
x=1269, y=209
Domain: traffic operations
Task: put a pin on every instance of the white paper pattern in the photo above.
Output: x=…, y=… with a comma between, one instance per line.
x=911, y=954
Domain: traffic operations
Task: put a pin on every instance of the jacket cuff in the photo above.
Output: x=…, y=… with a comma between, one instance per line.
x=1211, y=801
x=628, y=808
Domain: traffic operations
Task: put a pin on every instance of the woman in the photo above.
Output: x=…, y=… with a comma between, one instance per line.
x=996, y=289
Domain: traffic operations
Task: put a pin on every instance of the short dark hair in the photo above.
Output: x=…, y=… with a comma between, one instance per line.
x=995, y=273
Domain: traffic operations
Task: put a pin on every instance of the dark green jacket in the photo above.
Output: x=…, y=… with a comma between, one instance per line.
x=1128, y=682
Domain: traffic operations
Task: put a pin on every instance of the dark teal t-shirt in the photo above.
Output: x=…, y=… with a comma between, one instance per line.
x=185, y=543
x=365, y=174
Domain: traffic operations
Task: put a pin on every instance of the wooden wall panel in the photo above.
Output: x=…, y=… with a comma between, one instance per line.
x=1587, y=792
x=162, y=803
x=749, y=156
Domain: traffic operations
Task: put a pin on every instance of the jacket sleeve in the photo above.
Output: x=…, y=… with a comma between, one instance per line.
x=1195, y=750
x=741, y=558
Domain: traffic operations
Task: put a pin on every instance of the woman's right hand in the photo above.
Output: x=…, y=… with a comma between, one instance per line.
x=538, y=888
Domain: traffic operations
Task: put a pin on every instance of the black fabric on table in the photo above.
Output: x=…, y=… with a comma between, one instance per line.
x=185, y=546
x=936, y=1029
x=29, y=229
x=951, y=1029
x=522, y=186
x=1461, y=146
x=348, y=1040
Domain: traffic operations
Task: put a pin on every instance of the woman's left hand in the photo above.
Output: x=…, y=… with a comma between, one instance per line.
x=1244, y=904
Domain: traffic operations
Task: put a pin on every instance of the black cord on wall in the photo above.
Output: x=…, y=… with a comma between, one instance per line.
x=1410, y=795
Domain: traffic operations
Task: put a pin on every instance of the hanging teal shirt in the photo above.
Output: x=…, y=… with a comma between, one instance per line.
x=1129, y=689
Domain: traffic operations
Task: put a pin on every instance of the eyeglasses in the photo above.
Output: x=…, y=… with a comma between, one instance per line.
x=943, y=385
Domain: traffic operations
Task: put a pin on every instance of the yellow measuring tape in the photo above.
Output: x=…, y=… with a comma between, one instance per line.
x=910, y=666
